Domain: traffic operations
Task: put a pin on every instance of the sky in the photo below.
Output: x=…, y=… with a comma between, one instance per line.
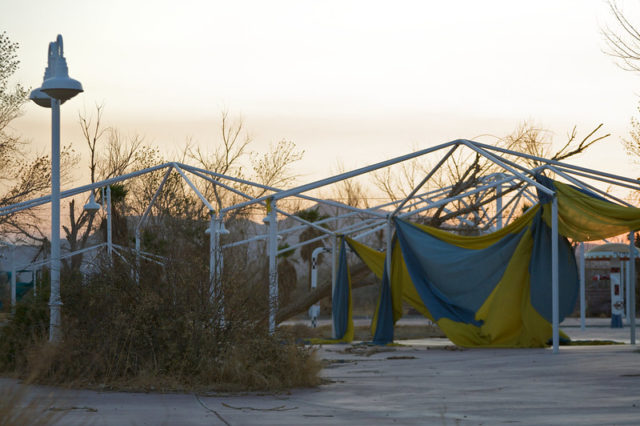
x=354, y=82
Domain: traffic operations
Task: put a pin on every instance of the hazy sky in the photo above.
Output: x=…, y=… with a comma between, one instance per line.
x=355, y=81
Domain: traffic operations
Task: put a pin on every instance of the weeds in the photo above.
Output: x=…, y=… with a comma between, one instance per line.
x=164, y=331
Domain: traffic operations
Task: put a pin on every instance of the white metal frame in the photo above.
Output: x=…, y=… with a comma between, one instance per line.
x=512, y=185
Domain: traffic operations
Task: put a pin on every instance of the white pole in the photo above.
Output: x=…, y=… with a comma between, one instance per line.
x=627, y=286
x=389, y=249
x=273, y=267
x=555, y=296
x=219, y=265
x=109, y=229
x=343, y=176
x=583, y=304
x=499, y=206
x=334, y=278
x=215, y=263
x=137, y=273
x=14, y=298
x=315, y=309
x=389, y=252
x=219, y=257
x=426, y=178
x=632, y=287
x=212, y=256
x=624, y=283
x=54, y=299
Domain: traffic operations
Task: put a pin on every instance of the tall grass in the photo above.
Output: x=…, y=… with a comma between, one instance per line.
x=165, y=331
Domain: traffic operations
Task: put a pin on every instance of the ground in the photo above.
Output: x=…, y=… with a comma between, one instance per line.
x=428, y=381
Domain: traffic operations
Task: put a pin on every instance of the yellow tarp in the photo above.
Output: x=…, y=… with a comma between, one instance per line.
x=507, y=316
x=585, y=218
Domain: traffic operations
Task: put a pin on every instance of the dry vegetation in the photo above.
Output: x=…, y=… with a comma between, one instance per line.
x=165, y=332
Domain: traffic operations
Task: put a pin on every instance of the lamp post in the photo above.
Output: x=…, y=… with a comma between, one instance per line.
x=56, y=88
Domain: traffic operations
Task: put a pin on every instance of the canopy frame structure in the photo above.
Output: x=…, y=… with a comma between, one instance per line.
x=510, y=186
x=520, y=179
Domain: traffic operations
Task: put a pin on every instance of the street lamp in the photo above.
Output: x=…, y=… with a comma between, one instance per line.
x=56, y=88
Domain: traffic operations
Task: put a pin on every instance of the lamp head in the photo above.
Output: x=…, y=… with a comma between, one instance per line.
x=92, y=206
x=223, y=230
x=40, y=98
x=57, y=83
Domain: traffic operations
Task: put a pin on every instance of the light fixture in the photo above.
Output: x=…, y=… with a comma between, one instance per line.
x=40, y=98
x=58, y=84
x=56, y=88
x=223, y=230
x=92, y=206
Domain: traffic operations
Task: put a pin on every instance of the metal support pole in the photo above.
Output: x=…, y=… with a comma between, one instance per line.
x=426, y=178
x=109, y=229
x=627, y=286
x=213, y=251
x=137, y=271
x=54, y=299
x=219, y=256
x=555, y=294
x=314, y=310
x=216, y=262
x=14, y=298
x=499, y=206
x=273, y=266
x=389, y=253
x=632, y=287
x=334, y=277
x=583, y=301
x=389, y=248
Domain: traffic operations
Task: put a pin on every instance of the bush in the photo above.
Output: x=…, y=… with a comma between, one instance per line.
x=164, y=331
x=29, y=325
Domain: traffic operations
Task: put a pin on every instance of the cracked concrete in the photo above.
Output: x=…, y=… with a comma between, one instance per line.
x=427, y=382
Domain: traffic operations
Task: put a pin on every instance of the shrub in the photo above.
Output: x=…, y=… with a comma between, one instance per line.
x=163, y=331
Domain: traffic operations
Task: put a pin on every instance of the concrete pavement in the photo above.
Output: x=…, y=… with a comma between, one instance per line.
x=427, y=382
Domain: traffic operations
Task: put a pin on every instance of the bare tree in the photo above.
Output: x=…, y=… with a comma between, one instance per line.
x=632, y=144
x=350, y=191
x=19, y=178
x=22, y=176
x=464, y=170
x=623, y=41
x=111, y=155
x=234, y=157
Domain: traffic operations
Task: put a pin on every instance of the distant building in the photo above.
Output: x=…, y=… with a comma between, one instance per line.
x=598, y=266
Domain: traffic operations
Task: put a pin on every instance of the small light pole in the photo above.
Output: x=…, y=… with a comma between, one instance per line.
x=56, y=88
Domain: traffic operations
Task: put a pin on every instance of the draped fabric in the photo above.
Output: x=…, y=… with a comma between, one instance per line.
x=342, y=305
x=495, y=289
x=584, y=216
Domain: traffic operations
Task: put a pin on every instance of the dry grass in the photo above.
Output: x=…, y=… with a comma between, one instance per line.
x=163, y=333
